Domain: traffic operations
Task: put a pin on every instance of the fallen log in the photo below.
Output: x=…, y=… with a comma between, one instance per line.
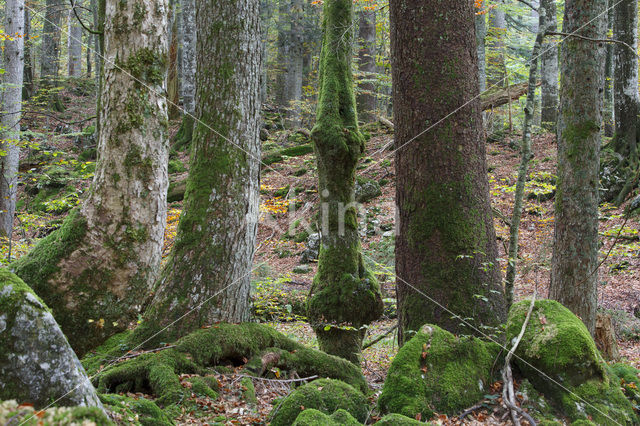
x=494, y=98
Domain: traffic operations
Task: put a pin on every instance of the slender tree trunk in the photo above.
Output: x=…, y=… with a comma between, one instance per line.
x=627, y=99
x=282, y=59
x=11, y=106
x=574, y=275
x=207, y=277
x=173, y=92
x=495, y=56
x=345, y=296
x=293, y=77
x=50, y=51
x=266, y=13
x=366, y=98
x=188, y=15
x=28, y=88
x=97, y=270
x=526, y=156
x=446, y=245
x=549, y=69
x=74, y=66
x=481, y=35
x=97, y=57
x=609, y=110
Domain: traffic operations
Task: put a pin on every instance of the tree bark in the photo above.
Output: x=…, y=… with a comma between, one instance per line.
x=445, y=244
x=549, y=69
x=50, y=54
x=495, y=56
x=207, y=276
x=12, y=105
x=173, y=92
x=609, y=110
x=574, y=275
x=345, y=296
x=366, y=99
x=188, y=14
x=74, y=65
x=28, y=87
x=37, y=365
x=97, y=270
x=481, y=35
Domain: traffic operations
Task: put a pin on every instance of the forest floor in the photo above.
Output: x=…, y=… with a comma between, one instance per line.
x=57, y=165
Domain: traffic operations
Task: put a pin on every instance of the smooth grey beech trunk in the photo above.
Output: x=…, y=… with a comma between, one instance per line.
x=11, y=107
x=74, y=65
x=481, y=36
x=549, y=68
x=37, y=365
x=207, y=277
x=574, y=275
x=98, y=269
x=495, y=58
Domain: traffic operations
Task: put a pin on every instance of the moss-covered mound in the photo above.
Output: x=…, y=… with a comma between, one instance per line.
x=37, y=365
x=324, y=395
x=437, y=371
x=136, y=410
x=313, y=417
x=13, y=413
x=203, y=350
x=559, y=357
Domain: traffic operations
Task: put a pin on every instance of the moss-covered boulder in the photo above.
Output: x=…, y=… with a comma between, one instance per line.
x=366, y=189
x=12, y=413
x=325, y=395
x=136, y=410
x=559, y=357
x=37, y=365
x=313, y=417
x=395, y=419
x=437, y=371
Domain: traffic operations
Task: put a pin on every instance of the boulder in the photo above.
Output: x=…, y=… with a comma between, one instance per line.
x=313, y=417
x=324, y=395
x=367, y=190
x=559, y=357
x=37, y=365
x=313, y=249
x=437, y=371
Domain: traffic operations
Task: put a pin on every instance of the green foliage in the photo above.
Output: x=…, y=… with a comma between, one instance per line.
x=273, y=301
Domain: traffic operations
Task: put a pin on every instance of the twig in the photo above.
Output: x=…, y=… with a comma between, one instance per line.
x=594, y=40
x=75, y=12
x=380, y=337
x=470, y=410
x=122, y=358
x=528, y=4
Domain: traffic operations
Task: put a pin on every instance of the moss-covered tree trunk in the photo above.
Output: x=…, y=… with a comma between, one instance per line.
x=345, y=296
x=98, y=269
x=206, y=278
x=574, y=275
x=446, y=244
x=188, y=87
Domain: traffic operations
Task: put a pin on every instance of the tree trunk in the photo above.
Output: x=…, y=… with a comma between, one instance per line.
x=282, y=58
x=173, y=92
x=74, y=66
x=549, y=69
x=292, y=72
x=28, y=88
x=50, y=53
x=11, y=105
x=207, y=277
x=188, y=15
x=495, y=55
x=625, y=86
x=345, y=296
x=609, y=110
x=445, y=244
x=481, y=35
x=37, y=365
x=97, y=270
x=366, y=98
x=574, y=275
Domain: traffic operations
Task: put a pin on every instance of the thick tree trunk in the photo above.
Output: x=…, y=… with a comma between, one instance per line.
x=188, y=15
x=173, y=89
x=28, y=87
x=74, y=66
x=98, y=269
x=549, y=69
x=574, y=275
x=481, y=35
x=345, y=296
x=366, y=99
x=50, y=53
x=207, y=277
x=446, y=246
x=37, y=365
x=11, y=105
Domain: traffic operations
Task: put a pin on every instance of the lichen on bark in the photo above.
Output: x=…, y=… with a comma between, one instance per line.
x=345, y=296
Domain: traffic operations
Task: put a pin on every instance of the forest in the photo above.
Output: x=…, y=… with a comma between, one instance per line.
x=319, y=212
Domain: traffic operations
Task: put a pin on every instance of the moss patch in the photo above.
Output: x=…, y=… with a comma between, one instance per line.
x=312, y=417
x=13, y=413
x=437, y=371
x=136, y=410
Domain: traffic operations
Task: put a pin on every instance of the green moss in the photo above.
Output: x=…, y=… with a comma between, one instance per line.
x=201, y=386
x=397, y=420
x=281, y=192
x=324, y=395
x=114, y=346
x=279, y=155
x=557, y=343
x=248, y=391
x=184, y=135
x=148, y=413
x=12, y=413
x=312, y=417
x=147, y=65
x=436, y=371
x=176, y=166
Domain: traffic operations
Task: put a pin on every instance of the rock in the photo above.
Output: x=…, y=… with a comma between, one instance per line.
x=313, y=249
x=366, y=190
x=557, y=348
x=37, y=365
x=387, y=234
x=437, y=371
x=325, y=395
x=312, y=417
x=264, y=134
x=302, y=269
